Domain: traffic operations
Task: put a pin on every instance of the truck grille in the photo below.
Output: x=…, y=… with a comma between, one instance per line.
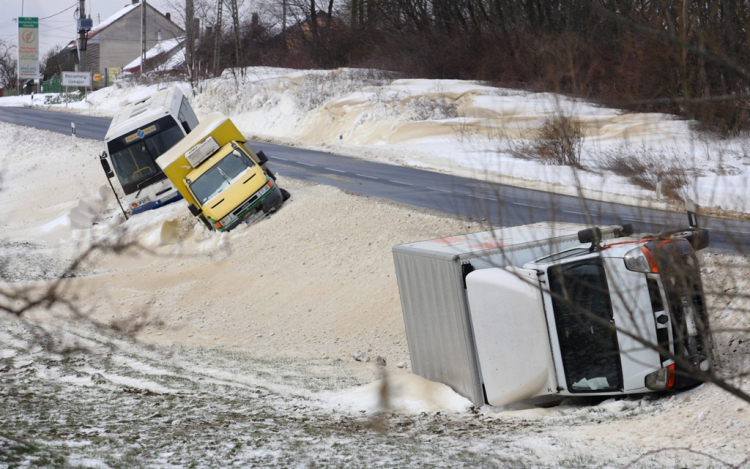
x=657, y=305
x=685, y=300
x=236, y=212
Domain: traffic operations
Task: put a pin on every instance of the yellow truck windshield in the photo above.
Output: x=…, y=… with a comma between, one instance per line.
x=220, y=176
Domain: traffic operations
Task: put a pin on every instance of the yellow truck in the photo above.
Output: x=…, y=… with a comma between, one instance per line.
x=224, y=181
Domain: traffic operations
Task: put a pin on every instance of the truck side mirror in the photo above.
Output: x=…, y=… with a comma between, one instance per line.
x=194, y=210
x=626, y=229
x=591, y=235
x=262, y=158
x=105, y=165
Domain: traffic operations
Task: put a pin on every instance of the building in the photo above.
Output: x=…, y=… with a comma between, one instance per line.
x=116, y=41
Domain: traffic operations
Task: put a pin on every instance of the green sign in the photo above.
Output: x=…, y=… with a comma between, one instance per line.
x=28, y=22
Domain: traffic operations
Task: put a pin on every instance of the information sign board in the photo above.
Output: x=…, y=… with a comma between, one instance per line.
x=76, y=78
x=28, y=48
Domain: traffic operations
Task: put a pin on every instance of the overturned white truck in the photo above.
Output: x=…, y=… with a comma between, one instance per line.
x=545, y=310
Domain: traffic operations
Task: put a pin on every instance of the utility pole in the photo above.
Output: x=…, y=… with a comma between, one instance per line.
x=190, y=33
x=82, y=35
x=143, y=36
x=217, y=38
x=236, y=25
x=283, y=22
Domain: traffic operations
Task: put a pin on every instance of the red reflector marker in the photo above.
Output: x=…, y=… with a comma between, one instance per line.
x=671, y=375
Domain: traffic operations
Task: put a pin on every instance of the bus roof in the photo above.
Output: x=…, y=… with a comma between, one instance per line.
x=143, y=112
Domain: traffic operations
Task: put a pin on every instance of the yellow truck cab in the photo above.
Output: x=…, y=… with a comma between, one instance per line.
x=224, y=181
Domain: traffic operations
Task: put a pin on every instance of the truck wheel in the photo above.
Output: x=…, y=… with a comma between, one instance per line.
x=285, y=194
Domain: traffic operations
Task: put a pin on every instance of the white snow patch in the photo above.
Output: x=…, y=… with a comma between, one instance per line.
x=81, y=217
x=406, y=393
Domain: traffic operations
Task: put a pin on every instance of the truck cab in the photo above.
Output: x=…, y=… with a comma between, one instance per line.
x=224, y=181
x=614, y=317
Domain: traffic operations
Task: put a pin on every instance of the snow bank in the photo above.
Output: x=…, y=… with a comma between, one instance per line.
x=405, y=393
x=79, y=222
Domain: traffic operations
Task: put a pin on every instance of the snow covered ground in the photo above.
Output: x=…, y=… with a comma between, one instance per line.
x=243, y=342
x=462, y=127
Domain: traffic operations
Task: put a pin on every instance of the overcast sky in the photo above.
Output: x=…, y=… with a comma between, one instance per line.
x=57, y=24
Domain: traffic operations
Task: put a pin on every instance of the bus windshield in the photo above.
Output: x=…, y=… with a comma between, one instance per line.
x=134, y=155
x=583, y=316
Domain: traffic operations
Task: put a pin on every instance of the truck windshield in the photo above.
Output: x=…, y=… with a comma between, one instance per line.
x=221, y=175
x=134, y=155
x=589, y=348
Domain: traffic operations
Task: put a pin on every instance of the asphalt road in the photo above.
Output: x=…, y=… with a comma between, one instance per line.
x=498, y=204
x=86, y=127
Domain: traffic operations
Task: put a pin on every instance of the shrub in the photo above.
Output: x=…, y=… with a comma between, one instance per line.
x=559, y=141
x=644, y=170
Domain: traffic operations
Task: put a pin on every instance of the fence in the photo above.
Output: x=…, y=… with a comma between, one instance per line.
x=52, y=86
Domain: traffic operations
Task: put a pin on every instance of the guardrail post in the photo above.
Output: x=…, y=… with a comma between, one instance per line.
x=658, y=187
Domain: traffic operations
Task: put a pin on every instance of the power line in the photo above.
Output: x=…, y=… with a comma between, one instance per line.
x=58, y=13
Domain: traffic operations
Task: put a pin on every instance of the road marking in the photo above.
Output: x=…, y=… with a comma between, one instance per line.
x=365, y=176
x=576, y=213
x=526, y=205
x=439, y=190
x=279, y=158
x=403, y=183
x=335, y=170
x=307, y=164
x=480, y=197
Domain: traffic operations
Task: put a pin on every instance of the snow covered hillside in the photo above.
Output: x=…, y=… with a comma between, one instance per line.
x=468, y=128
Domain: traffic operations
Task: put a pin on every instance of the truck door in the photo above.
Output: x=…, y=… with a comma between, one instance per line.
x=583, y=318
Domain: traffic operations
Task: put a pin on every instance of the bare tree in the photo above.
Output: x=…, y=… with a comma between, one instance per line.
x=56, y=61
x=8, y=66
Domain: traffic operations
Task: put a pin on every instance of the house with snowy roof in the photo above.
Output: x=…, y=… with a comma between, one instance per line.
x=166, y=56
x=113, y=43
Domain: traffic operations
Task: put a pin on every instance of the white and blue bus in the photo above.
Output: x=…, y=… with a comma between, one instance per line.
x=139, y=133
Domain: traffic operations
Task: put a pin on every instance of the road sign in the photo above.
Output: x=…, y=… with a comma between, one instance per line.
x=28, y=48
x=76, y=78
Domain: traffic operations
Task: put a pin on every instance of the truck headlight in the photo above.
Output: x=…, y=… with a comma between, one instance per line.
x=661, y=380
x=641, y=260
x=227, y=219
